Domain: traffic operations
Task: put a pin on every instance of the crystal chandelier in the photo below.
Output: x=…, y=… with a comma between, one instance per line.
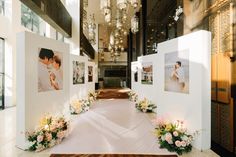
x=119, y=23
x=105, y=6
x=108, y=18
x=91, y=30
x=117, y=36
x=116, y=44
x=134, y=24
x=112, y=39
x=122, y=4
x=134, y=3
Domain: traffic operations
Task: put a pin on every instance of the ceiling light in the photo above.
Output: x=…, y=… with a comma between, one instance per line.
x=105, y=6
x=134, y=24
x=119, y=24
x=122, y=4
x=112, y=39
x=108, y=18
x=134, y=3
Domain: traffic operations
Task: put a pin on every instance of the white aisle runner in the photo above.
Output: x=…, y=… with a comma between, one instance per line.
x=111, y=126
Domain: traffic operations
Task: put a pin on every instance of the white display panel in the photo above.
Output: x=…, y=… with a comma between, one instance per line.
x=191, y=102
x=39, y=89
x=91, y=77
x=80, y=90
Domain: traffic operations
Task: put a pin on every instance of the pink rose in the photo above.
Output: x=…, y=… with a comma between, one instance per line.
x=168, y=138
x=178, y=143
x=175, y=133
x=49, y=136
x=39, y=138
x=183, y=143
x=53, y=127
x=60, y=134
x=60, y=124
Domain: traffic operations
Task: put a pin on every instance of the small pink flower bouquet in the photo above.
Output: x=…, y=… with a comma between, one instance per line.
x=51, y=131
x=173, y=136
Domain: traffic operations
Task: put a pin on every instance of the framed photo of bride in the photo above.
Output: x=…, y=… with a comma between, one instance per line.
x=177, y=71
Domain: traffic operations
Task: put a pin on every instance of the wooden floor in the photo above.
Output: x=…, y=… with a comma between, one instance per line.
x=109, y=155
x=113, y=93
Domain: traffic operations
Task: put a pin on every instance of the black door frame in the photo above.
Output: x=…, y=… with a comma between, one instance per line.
x=2, y=105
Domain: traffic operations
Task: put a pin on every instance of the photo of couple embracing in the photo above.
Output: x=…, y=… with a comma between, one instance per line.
x=50, y=70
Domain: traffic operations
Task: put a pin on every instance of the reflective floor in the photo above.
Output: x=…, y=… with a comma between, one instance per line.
x=103, y=109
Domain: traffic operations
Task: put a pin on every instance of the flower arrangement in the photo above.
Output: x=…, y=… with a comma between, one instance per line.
x=51, y=131
x=92, y=96
x=174, y=137
x=133, y=96
x=79, y=106
x=145, y=106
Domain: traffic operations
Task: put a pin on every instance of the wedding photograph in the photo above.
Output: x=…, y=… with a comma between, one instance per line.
x=50, y=70
x=90, y=73
x=118, y=78
x=78, y=72
x=177, y=72
x=136, y=74
x=147, y=73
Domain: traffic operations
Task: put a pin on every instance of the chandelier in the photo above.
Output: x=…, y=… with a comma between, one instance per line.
x=108, y=18
x=134, y=24
x=118, y=34
x=134, y=3
x=105, y=6
x=122, y=4
x=91, y=30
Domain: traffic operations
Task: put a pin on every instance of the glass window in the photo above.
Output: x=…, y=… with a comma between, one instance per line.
x=32, y=21
x=160, y=24
x=2, y=62
x=59, y=36
x=2, y=7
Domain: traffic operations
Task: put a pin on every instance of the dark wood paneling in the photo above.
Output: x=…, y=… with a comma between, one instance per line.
x=222, y=124
x=54, y=13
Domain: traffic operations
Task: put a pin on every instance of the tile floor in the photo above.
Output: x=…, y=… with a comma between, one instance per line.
x=8, y=139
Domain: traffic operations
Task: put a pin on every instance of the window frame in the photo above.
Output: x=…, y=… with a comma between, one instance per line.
x=3, y=7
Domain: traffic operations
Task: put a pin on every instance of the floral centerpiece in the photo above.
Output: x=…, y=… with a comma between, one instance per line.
x=92, y=96
x=133, y=96
x=79, y=106
x=51, y=131
x=174, y=137
x=145, y=106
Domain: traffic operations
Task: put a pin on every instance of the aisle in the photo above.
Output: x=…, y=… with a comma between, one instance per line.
x=111, y=126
